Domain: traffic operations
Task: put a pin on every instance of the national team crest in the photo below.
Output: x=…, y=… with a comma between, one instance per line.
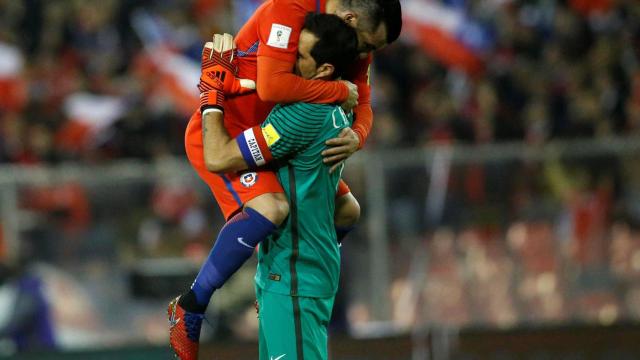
x=248, y=179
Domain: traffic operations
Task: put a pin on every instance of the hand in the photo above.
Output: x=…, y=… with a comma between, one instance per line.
x=218, y=73
x=352, y=100
x=341, y=148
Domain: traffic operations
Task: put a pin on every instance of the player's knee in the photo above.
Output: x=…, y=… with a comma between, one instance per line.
x=347, y=211
x=280, y=210
x=273, y=206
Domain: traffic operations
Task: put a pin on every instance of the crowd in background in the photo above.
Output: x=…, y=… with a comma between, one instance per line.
x=553, y=69
x=556, y=241
x=552, y=72
x=88, y=52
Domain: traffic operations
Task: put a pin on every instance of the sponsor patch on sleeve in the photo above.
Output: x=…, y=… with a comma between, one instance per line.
x=279, y=36
x=270, y=134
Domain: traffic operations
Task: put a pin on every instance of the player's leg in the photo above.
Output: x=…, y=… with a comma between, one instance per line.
x=226, y=256
x=238, y=238
x=273, y=206
x=277, y=327
x=347, y=211
x=315, y=317
x=293, y=327
x=263, y=351
x=235, y=244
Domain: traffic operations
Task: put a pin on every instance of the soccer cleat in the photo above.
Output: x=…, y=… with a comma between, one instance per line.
x=184, y=331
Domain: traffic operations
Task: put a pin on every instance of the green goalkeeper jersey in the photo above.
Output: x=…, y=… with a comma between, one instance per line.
x=302, y=258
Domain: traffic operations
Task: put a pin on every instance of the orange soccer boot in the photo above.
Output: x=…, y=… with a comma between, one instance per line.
x=184, y=331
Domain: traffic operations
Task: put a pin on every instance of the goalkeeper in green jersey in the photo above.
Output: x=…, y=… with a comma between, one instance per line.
x=298, y=266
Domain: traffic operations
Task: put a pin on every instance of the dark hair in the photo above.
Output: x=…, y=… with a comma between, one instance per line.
x=392, y=18
x=375, y=12
x=337, y=42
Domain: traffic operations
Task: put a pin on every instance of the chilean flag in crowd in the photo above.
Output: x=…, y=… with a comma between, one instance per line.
x=90, y=118
x=447, y=33
x=13, y=93
x=178, y=74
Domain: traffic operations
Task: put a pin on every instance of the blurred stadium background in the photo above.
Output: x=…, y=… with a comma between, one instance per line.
x=500, y=186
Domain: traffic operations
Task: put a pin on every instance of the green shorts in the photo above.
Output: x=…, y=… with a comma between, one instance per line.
x=293, y=327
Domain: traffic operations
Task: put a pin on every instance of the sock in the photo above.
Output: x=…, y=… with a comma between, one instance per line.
x=235, y=244
x=342, y=231
x=189, y=302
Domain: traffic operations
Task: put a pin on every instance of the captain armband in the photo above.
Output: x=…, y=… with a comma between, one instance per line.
x=254, y=147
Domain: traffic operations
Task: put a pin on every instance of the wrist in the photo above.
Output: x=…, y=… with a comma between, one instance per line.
x=211, y=99
x=210, y=110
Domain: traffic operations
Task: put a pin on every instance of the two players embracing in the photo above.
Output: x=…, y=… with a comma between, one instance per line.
x=299, y=204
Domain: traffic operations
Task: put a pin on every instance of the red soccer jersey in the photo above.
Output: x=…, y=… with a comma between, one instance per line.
x=271, y=37
x=268, y=44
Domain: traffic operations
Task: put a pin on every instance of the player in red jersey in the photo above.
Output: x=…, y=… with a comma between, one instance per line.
x=253, y=202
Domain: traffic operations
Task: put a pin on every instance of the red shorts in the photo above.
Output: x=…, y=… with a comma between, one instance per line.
x=233, y=190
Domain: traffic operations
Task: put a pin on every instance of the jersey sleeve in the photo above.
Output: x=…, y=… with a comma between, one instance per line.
x=363, y=113
x=276, y=83
x=279, y=28
x=288, y=130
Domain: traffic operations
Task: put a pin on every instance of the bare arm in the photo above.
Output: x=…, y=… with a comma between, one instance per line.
x=260, y=144
x=221, y=152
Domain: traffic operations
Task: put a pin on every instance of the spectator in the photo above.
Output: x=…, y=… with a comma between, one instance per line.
x=28, y=325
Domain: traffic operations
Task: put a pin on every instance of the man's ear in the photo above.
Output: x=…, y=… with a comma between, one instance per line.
x=349, y=17
x=324, y=71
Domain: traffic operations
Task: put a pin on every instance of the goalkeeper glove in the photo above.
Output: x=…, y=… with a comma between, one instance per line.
x=218, y=74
